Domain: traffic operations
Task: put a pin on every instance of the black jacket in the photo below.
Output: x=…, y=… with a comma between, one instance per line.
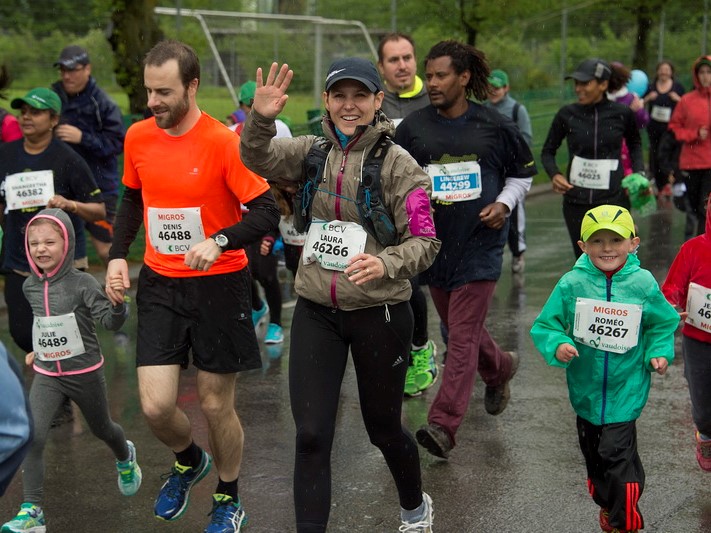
x=594, y=132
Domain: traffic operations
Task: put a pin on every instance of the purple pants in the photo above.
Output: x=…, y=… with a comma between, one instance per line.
x=470, y=349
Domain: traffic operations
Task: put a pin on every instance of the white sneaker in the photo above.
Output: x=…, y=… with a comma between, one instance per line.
x=424, y=524
x=518, y=264
x=129, y=473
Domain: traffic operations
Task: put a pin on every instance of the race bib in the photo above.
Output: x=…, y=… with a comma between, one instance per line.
x=661, y=113
x=56, y=337
x=289, y=234
x=698, y=305
x=29, y=189
x=607, y=326
x=455, y=182
x=174, y=230
x=592, y=173
x=333, y=243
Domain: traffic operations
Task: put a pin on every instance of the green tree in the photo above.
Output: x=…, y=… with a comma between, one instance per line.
x=135, y=31
x=41, y=17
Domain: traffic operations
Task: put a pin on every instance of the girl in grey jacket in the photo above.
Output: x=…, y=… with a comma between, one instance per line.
x=67, y=358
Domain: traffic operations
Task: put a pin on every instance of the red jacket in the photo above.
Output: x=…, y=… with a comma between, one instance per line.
x=692, y=263
x=691, y=113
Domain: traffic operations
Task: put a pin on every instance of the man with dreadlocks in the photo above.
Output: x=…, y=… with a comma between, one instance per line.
x=480, y=167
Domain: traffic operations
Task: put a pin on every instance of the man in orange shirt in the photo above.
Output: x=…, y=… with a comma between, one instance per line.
x=185, y=181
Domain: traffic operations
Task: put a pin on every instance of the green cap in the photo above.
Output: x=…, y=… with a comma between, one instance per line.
x=246, y=92
x=612, y=217
x=39, y=98
x=703, y=60
x=498, y=78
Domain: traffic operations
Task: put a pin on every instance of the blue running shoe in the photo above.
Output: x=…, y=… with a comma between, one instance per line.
x=30, y=519
x=228, y=516
x=174, y=495
x=258, y=316
x=275, y=334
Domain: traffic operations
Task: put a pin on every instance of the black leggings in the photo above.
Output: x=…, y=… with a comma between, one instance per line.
x=418, y=302
x=19, y=312
x=264, y=270
x=698, y=187
x=379, y=340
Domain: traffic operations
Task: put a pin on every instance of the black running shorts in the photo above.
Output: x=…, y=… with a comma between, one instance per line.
x=208, y=315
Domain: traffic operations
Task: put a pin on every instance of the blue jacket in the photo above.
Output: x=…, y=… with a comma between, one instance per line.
x=101, y=123
x=606, y=387
x=16, y=429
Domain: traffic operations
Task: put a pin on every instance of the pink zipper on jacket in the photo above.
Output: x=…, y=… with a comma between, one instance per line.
x=59, y=372
x=339, y=190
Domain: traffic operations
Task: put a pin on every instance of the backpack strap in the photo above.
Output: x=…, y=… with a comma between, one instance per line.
x=374, y=217
x=314, y=164
x=514, y=115
x=369, y=190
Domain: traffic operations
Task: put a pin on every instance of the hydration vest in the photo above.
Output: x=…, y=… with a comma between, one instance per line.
x=374, y=216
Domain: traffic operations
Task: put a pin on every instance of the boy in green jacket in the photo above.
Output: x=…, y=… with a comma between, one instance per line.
x=608, y=324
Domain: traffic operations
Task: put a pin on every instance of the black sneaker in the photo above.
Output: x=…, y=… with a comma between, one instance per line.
x=497, y=398
x=435, y=440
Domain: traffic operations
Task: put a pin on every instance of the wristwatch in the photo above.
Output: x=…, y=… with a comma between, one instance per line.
x=221, y=241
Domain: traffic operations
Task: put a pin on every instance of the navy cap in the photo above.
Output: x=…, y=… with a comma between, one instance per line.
x=72, y=56
x=354, y=68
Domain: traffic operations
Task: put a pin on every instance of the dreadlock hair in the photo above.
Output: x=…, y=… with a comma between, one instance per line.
x=465, y=57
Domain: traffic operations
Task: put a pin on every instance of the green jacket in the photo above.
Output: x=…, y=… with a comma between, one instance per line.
x=606, y=387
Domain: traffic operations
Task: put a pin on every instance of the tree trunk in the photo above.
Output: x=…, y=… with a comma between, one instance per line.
x=134, y=32
x=640, y=58
x=471, y=22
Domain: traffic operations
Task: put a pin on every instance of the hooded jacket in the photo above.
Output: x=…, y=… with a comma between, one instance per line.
x=594, y=131
x=102, y=131
x=606, y=387
x=405, y=191
x=691, y=264
x=691, y=113
x=67, y=290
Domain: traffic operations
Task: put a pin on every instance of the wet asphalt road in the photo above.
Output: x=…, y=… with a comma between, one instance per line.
x=519, y=472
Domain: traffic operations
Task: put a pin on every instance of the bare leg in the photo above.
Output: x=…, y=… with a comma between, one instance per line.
x=225, y=435
x=102, y=249
x=158, y=387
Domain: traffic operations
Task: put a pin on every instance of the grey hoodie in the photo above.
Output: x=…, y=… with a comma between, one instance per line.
x=66, y=290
